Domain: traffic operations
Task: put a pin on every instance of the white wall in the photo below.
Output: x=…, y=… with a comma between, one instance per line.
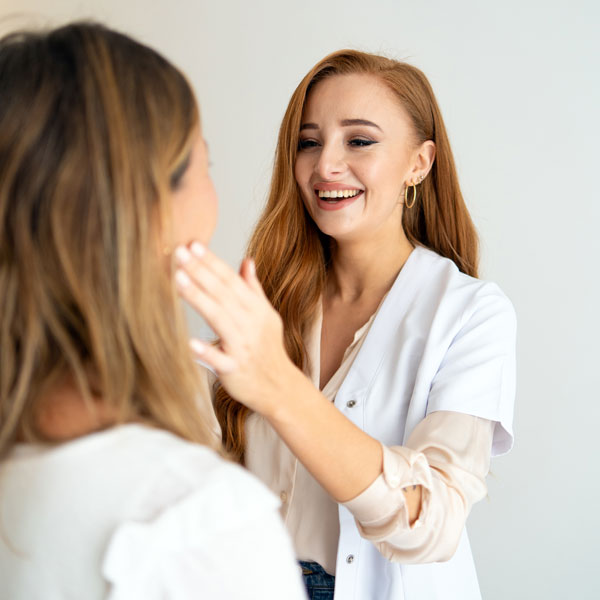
x=518, y=85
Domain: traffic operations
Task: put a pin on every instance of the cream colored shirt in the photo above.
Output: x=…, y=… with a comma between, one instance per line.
x=136, y=513
x=448, y=454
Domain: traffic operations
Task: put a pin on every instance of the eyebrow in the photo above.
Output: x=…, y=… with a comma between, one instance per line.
x=344, y=123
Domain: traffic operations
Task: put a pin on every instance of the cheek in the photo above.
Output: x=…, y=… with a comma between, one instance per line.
x=209, y=209
x=302, y=173
x=195, y=214
x=303, y=180
x=388, y=176
x=298, y=173
x=302, y=170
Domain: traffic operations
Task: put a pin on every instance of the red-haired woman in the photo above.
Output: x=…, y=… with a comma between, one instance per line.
x=373, y=396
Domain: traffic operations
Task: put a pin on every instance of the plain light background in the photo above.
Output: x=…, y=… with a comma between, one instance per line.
x=517, y=82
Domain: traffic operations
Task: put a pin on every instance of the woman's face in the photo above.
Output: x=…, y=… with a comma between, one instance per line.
x=356, y=152
x=194, y=199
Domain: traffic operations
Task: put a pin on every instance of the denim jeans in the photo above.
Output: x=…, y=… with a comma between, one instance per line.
x=319, y=584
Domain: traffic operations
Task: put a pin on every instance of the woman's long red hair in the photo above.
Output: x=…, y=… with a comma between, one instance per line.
x=292, y=255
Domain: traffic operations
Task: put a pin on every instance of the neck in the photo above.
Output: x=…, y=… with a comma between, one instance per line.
x=366, y=269
x=63, y=413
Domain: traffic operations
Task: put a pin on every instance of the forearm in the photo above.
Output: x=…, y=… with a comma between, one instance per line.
x=340, y=456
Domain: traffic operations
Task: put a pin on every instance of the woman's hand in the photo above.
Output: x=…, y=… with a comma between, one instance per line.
x=250, y=359
x=252, y=364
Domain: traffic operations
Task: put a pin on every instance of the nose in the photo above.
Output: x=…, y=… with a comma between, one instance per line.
x=331, y=162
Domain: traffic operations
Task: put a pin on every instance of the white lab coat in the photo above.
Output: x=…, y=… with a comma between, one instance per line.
x=440, y=341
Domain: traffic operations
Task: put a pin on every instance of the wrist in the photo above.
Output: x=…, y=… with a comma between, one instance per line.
x=285, y=395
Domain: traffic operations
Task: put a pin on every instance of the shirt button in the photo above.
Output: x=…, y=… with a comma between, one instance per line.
x=351, y=403
x=394, y=481
x=283, y=497
x=350, y=558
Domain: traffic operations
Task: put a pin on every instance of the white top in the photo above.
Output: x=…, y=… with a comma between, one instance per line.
x=455, y=444
x=136, y=513
x=440, y=342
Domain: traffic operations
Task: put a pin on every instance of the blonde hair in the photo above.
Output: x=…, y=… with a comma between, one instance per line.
x=292, y=255
x=94, y=130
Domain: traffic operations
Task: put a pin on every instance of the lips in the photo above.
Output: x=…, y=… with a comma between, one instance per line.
x=337, y=203
x=335, y=195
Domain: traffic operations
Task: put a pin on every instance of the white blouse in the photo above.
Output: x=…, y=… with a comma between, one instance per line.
x=136, y=513
x=431, y=377
x=456, y=445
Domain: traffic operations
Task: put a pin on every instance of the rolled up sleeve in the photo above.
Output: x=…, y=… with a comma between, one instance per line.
x=448, y=454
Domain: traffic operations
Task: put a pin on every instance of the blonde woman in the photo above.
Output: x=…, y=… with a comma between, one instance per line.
x=111, y=483
x=373, y=396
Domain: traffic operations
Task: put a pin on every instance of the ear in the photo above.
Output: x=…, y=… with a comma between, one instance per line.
x=423, y=160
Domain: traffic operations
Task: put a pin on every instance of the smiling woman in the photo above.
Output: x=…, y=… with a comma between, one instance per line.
x=362, y=163
x=373, y=394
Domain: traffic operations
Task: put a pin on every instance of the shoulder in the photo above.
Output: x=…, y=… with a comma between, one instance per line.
x=226, y=494
x=175, y=468
x=454, y=292
x=195, y=503
x=137, y=471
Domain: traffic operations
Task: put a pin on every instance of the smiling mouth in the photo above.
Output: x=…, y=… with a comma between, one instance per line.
x=333, y=196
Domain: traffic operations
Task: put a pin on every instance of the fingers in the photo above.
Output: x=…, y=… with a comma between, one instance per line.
x=234, y=306
x=218, y=279
x=222, y=322
x=248, y=272
x=197, y=266
x=216, y=276
x=212, y=356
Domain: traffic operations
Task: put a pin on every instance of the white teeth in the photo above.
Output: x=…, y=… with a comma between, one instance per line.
x=338, y=193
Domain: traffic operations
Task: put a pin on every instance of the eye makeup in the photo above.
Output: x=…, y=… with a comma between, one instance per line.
x=179, y=172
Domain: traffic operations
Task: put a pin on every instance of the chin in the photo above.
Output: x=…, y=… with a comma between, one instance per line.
x=337, y=233
x=335, y=227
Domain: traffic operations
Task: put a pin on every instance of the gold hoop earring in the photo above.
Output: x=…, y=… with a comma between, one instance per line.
x=414, y=196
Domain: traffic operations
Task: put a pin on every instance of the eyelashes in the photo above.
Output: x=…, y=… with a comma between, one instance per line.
x=354, y=142
x=360, y=142
x=179, y=172
x=305, y=144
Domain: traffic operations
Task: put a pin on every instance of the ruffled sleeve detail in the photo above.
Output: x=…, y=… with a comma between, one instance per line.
x=192, y=547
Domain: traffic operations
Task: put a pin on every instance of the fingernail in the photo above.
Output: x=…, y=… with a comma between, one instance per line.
x=181, y=277
x=197, y=249
x=197, y=346
x=182, y=254
x=252, y=266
